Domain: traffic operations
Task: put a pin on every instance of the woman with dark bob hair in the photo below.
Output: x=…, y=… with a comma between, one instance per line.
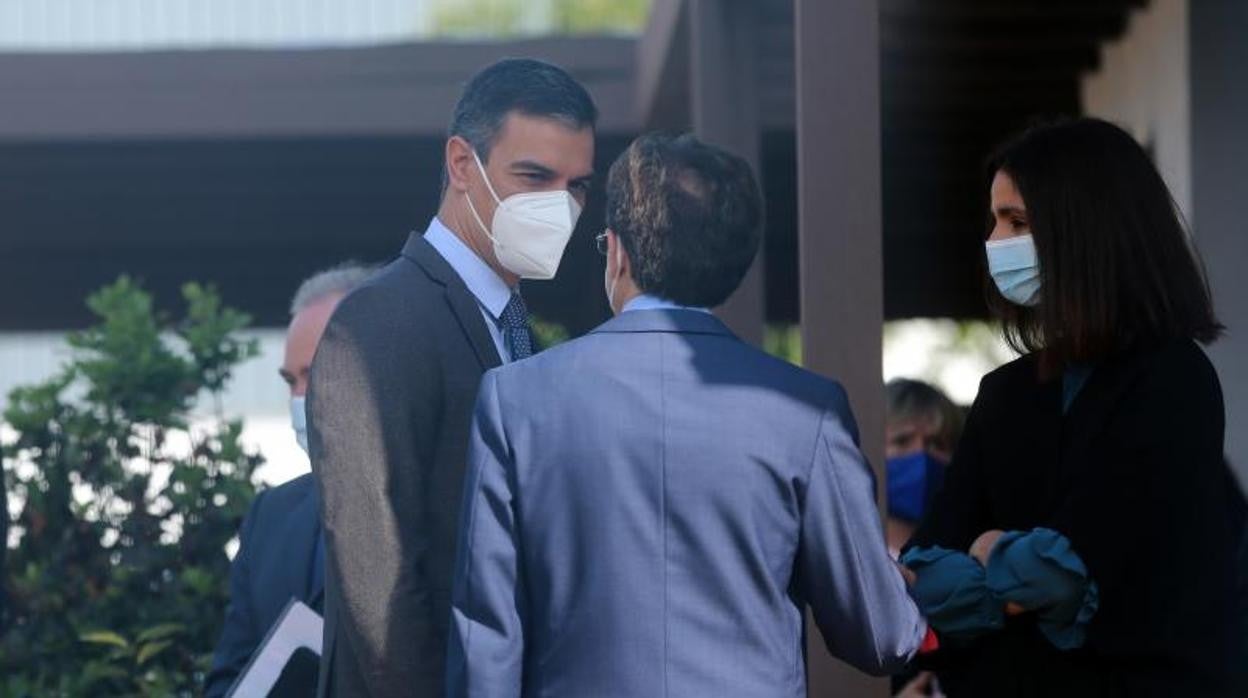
x=1083, y=542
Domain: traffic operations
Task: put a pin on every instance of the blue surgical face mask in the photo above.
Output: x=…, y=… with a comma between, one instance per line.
x=299, y=421
x=912, y=480
x=1015, y=269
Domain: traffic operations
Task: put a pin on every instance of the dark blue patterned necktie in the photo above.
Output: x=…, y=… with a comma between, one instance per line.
x=514, y=322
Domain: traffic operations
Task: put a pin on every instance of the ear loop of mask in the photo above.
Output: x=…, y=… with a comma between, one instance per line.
x=489, y=232
x=616, y=280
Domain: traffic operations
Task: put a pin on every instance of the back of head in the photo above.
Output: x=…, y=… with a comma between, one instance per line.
x=1117, y=266
x=334, y=282
x=524, y=86
x=689, y=216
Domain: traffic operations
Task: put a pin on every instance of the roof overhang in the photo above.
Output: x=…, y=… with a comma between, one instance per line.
x=398, y=90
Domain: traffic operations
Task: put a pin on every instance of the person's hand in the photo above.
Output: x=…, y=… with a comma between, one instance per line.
x=920, y=687
x=982, y=547
x=981, y=550
x=907, y=574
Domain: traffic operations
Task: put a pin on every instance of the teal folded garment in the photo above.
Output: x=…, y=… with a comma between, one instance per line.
x=1035, y=569
x=1039, y=571
x=952, y=592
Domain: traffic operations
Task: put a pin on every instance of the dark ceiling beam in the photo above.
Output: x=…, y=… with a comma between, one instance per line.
x=1094, y=26
x=396, y=90
x=979, y=100
x=1047, y=36
x=983, y=129
x=947, y=10
x=1003, y=63
x=1036, y=48
x=920, y=97
x=914, y=77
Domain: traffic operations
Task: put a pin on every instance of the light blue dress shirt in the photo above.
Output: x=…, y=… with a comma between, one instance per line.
x=491, y=292
x=648, y=302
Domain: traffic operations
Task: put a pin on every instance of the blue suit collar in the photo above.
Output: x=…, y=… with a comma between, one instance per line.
x=680, y=321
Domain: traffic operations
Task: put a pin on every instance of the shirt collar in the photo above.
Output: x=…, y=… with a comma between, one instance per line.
x=486, y=286
x=648, y=302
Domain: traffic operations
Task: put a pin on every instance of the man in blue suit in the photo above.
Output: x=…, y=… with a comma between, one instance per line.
x=281, y=552
x=649, y=509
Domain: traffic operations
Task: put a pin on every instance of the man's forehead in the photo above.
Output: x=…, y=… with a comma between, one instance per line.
x=544, y=142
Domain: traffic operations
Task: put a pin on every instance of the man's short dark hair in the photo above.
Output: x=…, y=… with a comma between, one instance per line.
x=523, y=85
x=689, y=216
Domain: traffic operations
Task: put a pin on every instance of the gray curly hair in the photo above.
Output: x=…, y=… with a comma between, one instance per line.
x=338, y=280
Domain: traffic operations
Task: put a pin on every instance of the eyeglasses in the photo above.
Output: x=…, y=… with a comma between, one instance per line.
x=600, y=241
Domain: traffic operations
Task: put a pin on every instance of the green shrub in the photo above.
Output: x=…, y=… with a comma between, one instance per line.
x=131, y=492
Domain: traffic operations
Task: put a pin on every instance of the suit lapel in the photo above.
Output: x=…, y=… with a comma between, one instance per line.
x=468, y=312
x=461, y=301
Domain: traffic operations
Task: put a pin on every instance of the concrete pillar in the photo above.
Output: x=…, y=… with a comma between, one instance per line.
x=839, y=230
x=723, y=60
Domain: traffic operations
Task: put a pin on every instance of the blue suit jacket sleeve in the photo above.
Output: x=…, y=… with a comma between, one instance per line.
x=239, y=636
x=485, y=656
x=844, y=572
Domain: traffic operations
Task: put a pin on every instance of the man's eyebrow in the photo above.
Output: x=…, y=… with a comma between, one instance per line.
x=533, y=166
x=539, y=168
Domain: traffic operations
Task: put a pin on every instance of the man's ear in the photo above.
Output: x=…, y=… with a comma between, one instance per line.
x=459, y=163
x=623, y=266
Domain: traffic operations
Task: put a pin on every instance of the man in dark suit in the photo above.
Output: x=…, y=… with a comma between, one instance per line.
x=281, y=553
x=649, y=509
x=395, y=378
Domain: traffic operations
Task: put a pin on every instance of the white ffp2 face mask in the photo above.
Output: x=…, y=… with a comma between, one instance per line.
x=299, y=421
x=1014, y=268
x=530, y=230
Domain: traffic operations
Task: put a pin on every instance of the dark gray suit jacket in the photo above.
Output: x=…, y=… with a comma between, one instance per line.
x=389, y=407
x=648, y=510
x=277, y=560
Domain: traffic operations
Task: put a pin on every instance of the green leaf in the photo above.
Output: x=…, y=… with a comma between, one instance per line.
x=548, y=333
x=120, y=593
x=150, y=650
x=96, y=670
x=160, y=632
x=104, y=637
x=198, y=580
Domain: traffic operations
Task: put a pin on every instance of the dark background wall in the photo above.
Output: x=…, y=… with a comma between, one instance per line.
x=253, y=217
x=1219, y=52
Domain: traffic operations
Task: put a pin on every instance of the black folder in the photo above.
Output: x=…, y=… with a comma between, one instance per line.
x=287, y=661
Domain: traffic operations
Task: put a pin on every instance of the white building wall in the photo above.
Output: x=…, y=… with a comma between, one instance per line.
x=1142, y=85
x=1219, y=59
x=1176, y=81
x=130, y=25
